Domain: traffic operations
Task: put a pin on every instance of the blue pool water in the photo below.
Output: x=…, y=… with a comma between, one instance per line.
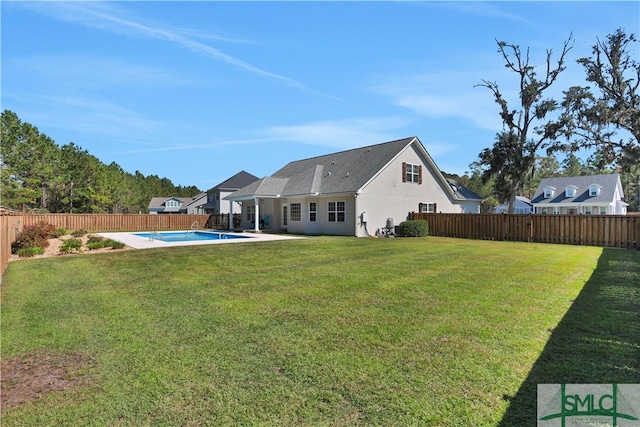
x=187, y=236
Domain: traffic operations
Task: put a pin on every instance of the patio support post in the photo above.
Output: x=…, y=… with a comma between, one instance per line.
x=230, y=215
x=256, y=223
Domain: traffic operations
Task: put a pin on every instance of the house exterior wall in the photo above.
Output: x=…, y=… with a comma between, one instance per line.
x=387, y=196
x=321, y=225
x=270, y=207
x=613, y=208
x=520, y=208
x=221, y=206
x=195, y=207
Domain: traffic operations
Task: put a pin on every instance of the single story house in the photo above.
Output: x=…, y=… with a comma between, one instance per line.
x=215, y=195
x=523, y=206
x=358, y=192
x=177, y=205
x=588, y=195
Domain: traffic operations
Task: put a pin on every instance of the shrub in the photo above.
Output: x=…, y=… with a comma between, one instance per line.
x=97, y=242
x=70, y=245
x=79, y=233
x=414, y=228
x=34, y=236
x=115, y=244
x=95, y=245
x=29, y=252
x=60, y=232
x=94, y=239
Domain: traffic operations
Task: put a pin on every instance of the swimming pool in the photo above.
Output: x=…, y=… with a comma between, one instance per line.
x=140, y=240
x=187, y=236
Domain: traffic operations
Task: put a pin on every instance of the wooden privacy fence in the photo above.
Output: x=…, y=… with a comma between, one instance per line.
x=221, y=221
x=11, y=225
x=117, y=222
x=619, y=231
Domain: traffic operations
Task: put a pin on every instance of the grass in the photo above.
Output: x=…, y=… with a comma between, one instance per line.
x=324, y=331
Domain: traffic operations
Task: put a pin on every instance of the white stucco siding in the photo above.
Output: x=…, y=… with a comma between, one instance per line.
x=293, y=226
x=223, y=205
x=338, y=228
x=387, y=196
x=321, y=225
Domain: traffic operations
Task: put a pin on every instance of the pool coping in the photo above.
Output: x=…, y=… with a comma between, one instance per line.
x=130, y=239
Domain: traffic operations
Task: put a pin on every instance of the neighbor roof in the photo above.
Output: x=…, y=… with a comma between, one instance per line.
x=159, y=202
x=463, y=192
x=239, y=180
x=608, y=184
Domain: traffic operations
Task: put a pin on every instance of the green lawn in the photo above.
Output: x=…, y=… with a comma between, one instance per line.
x=322, y=331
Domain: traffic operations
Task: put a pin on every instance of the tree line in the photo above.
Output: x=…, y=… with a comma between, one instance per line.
x=37, y=175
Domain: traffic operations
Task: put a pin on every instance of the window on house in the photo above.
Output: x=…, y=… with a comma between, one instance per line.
x=570, y=191
x=427, y=207
x=594, y=190
x=411, y=173
x=313, y=210
x=548, y=192
x=587, y=210
x=336, y=211
x=251, y=213
x=295, y=210
x=603, y=210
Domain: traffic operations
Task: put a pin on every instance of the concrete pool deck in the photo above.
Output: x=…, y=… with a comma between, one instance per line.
x=138, y=242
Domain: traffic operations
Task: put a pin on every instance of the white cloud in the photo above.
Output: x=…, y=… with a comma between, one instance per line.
x=105, y=16
x=342, y=134
x=443, y=94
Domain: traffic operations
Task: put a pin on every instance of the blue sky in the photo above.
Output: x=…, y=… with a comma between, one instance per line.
x=197, y=91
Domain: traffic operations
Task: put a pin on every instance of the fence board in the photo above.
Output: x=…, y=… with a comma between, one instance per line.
x=620, y=231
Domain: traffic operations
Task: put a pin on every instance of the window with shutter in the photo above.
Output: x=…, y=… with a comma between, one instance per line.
x=412, y=173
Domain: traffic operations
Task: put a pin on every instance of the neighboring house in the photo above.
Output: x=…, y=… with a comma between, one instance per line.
x=356, y=192
x=215, y=195
x=589, y=195
x=523, y=206
x=177, y=205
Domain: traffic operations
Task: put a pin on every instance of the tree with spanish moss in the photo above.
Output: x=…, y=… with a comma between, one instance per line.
x=526, y=127
x=606, y=115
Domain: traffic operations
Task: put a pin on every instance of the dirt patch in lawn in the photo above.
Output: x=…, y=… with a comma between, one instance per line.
x=28, y=378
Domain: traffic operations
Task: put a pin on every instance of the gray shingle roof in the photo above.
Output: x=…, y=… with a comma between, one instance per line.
x=344, y=172
x=158, y=202
x=463, y=192
x=607, y=182
x=341, y=172
x=239, y=180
